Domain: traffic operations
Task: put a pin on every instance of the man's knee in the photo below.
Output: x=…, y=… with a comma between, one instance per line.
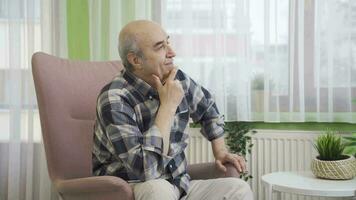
x=155, y=189
x=239, y=189
x=239, y=183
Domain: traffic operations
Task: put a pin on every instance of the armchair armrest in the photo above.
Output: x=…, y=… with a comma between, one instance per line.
x=210, y=171
x=96, y=187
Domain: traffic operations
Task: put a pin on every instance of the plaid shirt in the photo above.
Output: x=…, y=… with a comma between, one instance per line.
x=129, y=145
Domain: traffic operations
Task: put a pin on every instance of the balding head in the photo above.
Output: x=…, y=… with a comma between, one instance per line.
x=131, y=38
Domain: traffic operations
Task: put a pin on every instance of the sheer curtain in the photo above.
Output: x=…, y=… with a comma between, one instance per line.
x=106, y=18
x=269, y=60
x=26, y=26
x=335, y=59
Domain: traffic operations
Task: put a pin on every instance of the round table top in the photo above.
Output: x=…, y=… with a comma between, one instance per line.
x=307, y=184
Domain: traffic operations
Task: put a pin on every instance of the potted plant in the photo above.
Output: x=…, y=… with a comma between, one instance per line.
x=331, y=163
x=239, y=141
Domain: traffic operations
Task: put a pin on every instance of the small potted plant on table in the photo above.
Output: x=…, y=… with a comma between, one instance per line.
x=331, y=163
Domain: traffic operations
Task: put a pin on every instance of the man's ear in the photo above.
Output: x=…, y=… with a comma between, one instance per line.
x=134, y=60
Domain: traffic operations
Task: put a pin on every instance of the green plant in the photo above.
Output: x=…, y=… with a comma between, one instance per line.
x=350, y=142
x=239, y=141
x=330, y=146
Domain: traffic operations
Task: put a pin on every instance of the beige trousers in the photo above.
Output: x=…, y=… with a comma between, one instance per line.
x=212, y=189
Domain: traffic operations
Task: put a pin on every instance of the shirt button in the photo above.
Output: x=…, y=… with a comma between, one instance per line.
x=170, y=166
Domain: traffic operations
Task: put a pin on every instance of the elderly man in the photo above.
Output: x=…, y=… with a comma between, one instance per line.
x=142, y=116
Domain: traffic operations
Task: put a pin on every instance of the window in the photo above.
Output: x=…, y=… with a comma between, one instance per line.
x=20, y=36
x=269, y=60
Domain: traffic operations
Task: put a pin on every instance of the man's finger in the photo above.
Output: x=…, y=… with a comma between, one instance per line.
x=235, y=162
x=242, y=163
x=157, y=82
x=172, y=74
x=220, y=165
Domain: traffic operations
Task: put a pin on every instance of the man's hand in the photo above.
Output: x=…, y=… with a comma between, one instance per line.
x=222, y=156
x=171, y=93
x=225, y=157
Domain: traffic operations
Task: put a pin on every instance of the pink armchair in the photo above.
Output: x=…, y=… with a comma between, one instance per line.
x=66, y=93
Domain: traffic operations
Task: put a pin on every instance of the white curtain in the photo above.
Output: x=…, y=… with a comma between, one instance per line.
x=269, y=60
x=106, y=18
x=26, y=26
x=335, y=59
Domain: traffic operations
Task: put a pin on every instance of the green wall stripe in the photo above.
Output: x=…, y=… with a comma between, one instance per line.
x=303, y=126
x=128, y=11
x=308, y=126
x=78, y=29
x=105, y=29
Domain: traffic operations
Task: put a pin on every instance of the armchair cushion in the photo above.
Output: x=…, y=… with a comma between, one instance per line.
x=110, y=187
x=210, y=171
x=96, y=187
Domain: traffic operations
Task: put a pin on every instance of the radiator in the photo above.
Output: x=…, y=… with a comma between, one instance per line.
x=273, y=150
x=199, y=149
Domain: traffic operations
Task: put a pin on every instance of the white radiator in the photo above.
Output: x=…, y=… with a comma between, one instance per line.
x=199, y=149
x=273, y=150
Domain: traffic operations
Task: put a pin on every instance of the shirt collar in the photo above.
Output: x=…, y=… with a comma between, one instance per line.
x=140, y=85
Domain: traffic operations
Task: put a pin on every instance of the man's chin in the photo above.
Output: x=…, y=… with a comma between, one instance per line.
x=164, y=78
x=170, y=66
x=166, y=74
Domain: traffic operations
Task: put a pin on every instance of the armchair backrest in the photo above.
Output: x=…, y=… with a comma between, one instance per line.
x=66, y=94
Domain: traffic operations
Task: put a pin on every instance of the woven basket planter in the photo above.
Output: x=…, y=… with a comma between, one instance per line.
x=338, y=170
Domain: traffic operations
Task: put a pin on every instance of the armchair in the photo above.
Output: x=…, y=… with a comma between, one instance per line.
x=66, y=93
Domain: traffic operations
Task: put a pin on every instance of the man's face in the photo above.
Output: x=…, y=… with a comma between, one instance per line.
x=157, y=54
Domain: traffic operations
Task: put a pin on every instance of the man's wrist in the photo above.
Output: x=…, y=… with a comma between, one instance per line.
x=171, y=110
x=220, y=152
x=219, y=147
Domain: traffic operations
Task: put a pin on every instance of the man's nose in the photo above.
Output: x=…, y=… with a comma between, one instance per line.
x=170, y=52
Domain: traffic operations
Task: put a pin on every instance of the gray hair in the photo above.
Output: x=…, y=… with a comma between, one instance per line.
x=126, y=45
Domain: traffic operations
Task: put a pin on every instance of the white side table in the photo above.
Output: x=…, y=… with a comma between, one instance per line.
x=306, y=183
